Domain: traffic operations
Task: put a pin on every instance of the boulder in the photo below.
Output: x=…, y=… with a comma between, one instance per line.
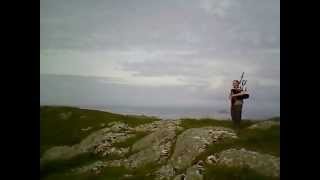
x=194, y=141
x=166, y=172
x=211, y=159
x=263, y=163
x=193, y=173
x=86, y=129
x=156, y=125
x=60, y=153
x=149, y=149
x=152, y=148
x=180, y=177
x=97, y=142
x=118, y=126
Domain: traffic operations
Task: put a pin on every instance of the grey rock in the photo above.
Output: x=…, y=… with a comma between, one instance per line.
x=264, y=125
x=118, y=126
x=149, y=149
x=180, y=177
x=156, y=125
x=263, y=163
x=116, y=163
x=60, y=153
x=97, y=142
x=114, y=151
x=102, y=138
x=194, y=141
x=166, y=172
x=211, y=159
x=86, y=129
x=142, y=158
x=193, y=173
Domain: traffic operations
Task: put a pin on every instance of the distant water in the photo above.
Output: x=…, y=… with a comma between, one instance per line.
x=177, y=112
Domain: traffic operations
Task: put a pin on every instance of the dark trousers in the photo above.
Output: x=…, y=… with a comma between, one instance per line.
x=236, y=111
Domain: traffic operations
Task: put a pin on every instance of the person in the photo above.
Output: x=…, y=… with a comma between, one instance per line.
x=236, y=96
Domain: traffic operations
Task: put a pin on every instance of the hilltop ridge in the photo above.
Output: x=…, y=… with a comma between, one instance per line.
x=87, y=144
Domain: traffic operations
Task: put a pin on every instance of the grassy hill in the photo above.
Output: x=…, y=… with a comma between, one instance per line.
x=67, y=126
x=61, y=125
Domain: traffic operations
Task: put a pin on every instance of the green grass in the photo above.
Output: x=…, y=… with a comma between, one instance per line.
x=233, y=173
x=263, y=141
x=61, y=166
x=107, y=173
x=60, y=125
x=198, y=123
x=275, y=119
x=110, y=173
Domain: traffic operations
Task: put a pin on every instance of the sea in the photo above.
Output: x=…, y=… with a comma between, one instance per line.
x=167, y=113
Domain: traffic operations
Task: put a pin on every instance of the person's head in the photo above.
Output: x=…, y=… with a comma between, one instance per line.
x=235, y=83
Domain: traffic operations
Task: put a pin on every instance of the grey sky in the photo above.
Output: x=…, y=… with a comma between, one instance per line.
x=159, y=53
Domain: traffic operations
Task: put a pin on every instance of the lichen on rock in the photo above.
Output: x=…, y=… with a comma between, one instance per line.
x=263, y=163
x=194, y=141
x=98, y=142
x=156, y=125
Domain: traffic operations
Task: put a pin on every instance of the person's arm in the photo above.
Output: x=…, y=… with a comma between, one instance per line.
x=239, y=94
x=231, y=95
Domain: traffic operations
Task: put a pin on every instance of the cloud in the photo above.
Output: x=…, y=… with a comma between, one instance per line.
x=191, y=49
x=216, y=7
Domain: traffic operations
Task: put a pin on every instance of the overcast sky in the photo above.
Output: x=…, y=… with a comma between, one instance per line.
x=159, y=52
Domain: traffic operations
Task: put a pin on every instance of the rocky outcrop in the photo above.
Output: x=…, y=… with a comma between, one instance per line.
x=263, y=163
x=188, y=146
x=180, y=177
x=112, y=151
x=264, y=125
x=156, y=125
x=166, y=172
x=99, y=142
x=60, y=153
x=86, y=129
x=118, y=126
x=194, y=141
x=156, y=147
x=153, y=148
x=194, y=173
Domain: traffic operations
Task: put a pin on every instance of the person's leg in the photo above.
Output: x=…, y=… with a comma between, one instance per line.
x=238, y=112
x=233, y=117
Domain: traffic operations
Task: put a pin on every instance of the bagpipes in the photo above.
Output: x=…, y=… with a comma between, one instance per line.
x=242, y=87
x=242, y=82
